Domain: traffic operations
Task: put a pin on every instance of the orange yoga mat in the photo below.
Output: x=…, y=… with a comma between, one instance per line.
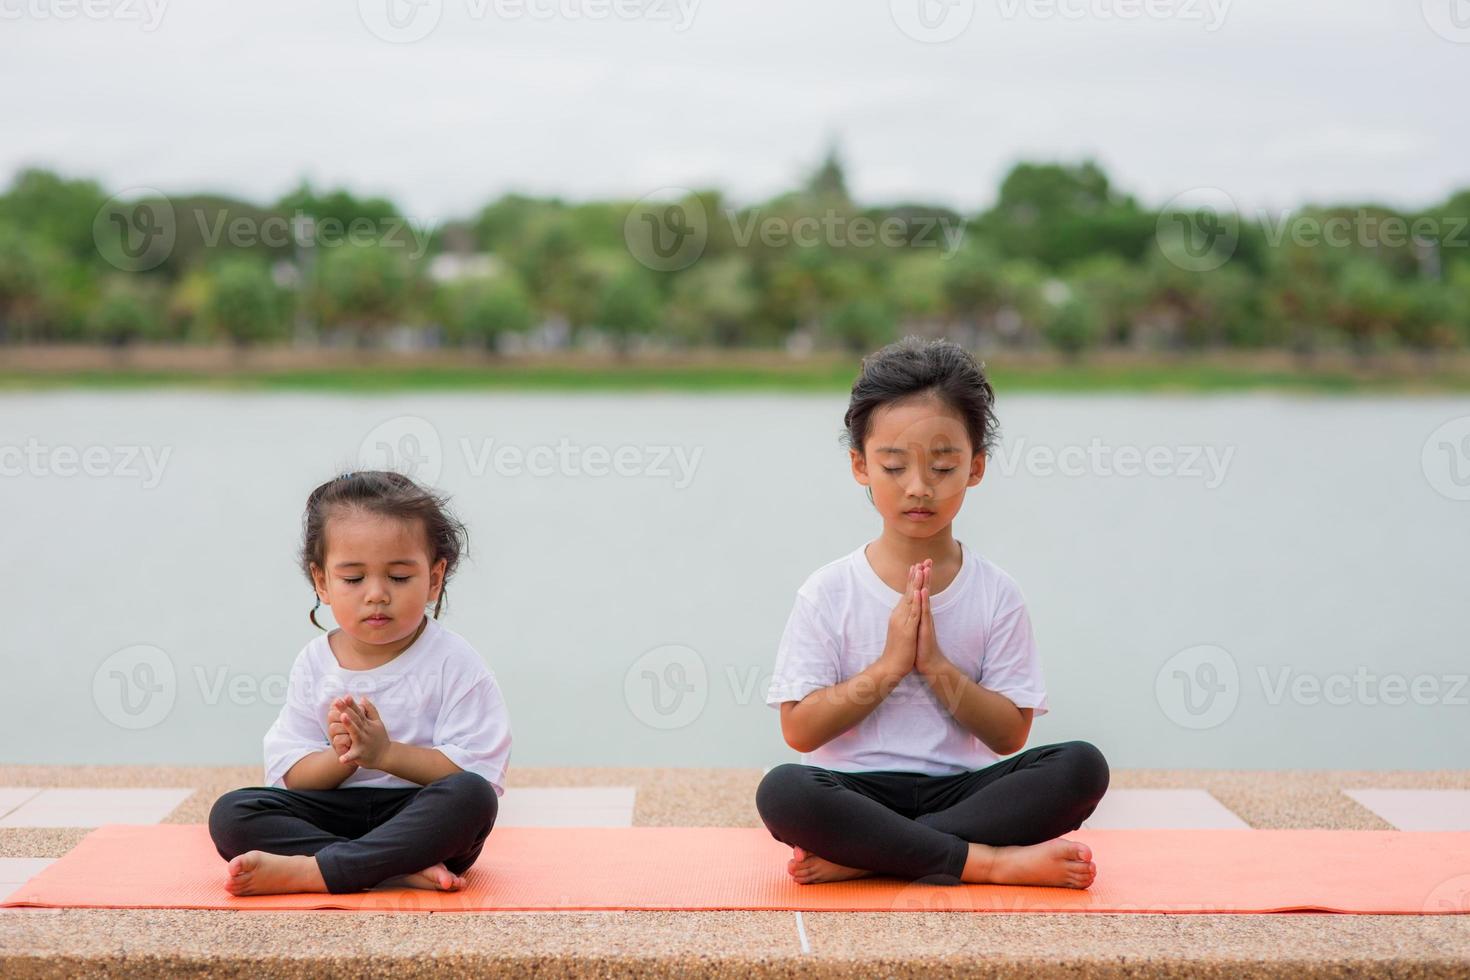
x=706, y=868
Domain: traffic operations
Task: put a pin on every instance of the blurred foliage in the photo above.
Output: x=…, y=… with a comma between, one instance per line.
x=1063, y=260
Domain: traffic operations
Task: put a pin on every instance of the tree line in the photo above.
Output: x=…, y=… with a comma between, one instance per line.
x=1063, y=259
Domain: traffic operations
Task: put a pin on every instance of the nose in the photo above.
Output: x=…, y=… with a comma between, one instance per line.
x=918, y=484
x=378, y=593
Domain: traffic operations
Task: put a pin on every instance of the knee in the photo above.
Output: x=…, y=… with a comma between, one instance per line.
x=225, y=817
x=471, y=793
x=1089, y=769
x=782, y=794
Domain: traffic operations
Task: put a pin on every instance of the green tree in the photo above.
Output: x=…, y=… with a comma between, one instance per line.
x=480, y=312
x=366, y=288
x=1072, y=326
x=244, y=304
x=712, y=302
x=129, y=310
x=55, y=210
x=861, y=324
x=629, y=304
x=24, y=268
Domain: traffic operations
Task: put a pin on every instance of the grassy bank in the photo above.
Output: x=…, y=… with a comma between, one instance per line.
x=351, y=373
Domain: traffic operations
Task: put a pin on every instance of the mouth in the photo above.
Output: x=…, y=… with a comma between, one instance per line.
x=377, y=620
x=918, y=514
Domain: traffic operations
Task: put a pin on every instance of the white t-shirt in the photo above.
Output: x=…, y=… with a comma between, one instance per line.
x=437, y=694
x=839, y=626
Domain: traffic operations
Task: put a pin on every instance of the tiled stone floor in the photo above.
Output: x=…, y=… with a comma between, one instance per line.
x=44, y=811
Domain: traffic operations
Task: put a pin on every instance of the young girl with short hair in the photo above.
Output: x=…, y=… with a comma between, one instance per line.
x=388, y=758
x=908, y=668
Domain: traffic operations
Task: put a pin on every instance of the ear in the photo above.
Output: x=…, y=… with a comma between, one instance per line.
x=977, y=469
x=319, y=581
x=436, y=579
x=859, y=467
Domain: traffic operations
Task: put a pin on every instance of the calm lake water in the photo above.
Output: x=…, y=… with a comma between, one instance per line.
x=1244, y=581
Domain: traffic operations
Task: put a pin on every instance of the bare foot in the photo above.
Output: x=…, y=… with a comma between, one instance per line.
x=1060, y=863
x=259, y=873
x=436, y=879
x=808, y=869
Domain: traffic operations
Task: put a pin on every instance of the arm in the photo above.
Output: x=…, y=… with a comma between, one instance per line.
x=298, y=748
x=417, y=764
x=990, y=717
x=373, y=749
x=822, y=715
x=319, y=770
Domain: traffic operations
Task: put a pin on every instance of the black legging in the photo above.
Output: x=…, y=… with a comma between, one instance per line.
x=361, y=836
x=919, y=827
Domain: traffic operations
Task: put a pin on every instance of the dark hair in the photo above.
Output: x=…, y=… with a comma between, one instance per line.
x=915, y=368
x=389, y=495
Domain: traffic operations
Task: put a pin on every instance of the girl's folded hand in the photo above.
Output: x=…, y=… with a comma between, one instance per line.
x=337, y=732
x=928, y=655
x=369, y=735
x=901, y=647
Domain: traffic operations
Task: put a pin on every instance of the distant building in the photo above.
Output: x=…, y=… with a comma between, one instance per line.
x=448, y=267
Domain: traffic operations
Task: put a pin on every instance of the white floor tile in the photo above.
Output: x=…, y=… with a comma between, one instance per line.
x=13, y=796
x=583, y=817
x=94, y=807
x=1418, y=809
x=15, y=872
x=569, y=806
x=1162, y=809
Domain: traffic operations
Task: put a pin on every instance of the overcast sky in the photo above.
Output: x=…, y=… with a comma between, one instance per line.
x=1276, y=102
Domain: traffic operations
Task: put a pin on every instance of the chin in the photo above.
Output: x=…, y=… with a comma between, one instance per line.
x=925, y=530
